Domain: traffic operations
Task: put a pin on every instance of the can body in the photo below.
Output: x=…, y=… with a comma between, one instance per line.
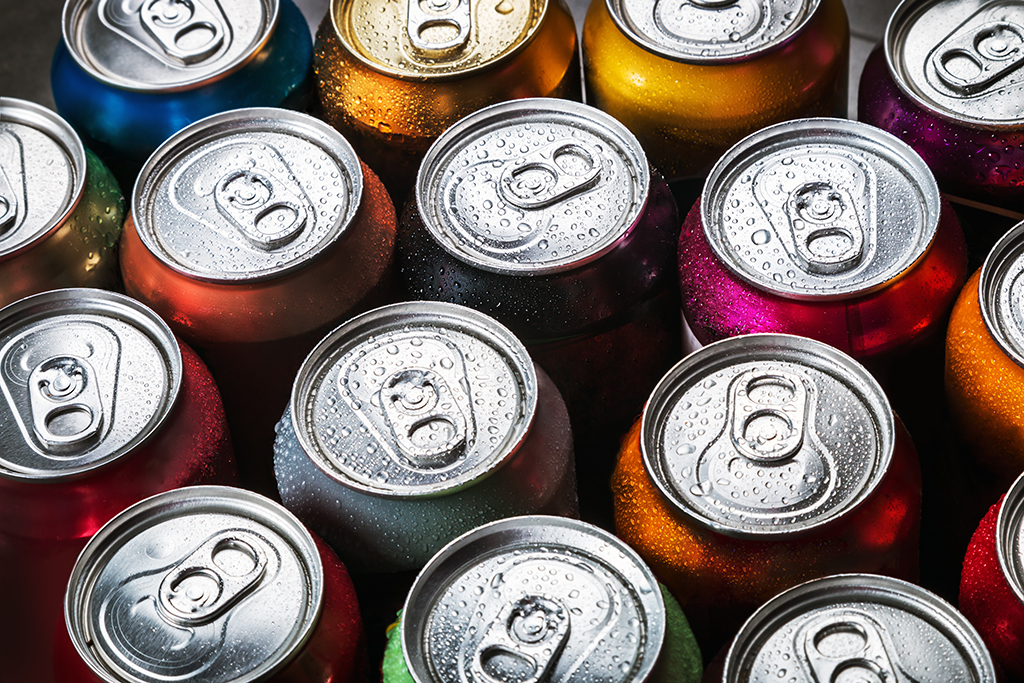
x=686, y=113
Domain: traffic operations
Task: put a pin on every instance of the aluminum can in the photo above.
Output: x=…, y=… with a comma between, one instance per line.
x=127, y=76
x=825, y=228
x=413, y=423
x=101, y=408
x=692, y=78
x=947, y=80
x=60, y=209
x=542, y=592
x=393, y=76
x=857, y=627
x=211, y=584
x=254, y=232
x=760, y=462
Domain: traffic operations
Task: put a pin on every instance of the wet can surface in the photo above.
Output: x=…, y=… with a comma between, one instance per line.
x=102, y=408
x=692, y=78
x=760, y=462
x=857, y=627
x=825, y=228
x=948, y=80
x=60, y=210
x=254, y=232
x=211, y=584
x=127, y=76
x=412, y=424
x=393, y=76
x=549, y=599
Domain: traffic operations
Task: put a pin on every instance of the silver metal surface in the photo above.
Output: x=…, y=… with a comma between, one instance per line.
x=767, y=435
x=1010, y=538
x=534, y=599
x=857, y=627
x=87, y=377
x=202, y=583
x=533, y=186
x=820, y=209
x=250, y=194
x=1001, y=293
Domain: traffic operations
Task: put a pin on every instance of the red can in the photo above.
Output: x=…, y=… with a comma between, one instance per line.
x=101, y=408
x=210, y=584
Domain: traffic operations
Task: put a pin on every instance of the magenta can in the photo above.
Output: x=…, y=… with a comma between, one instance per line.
x=948, y=79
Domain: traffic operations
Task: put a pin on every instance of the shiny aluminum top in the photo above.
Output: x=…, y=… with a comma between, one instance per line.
x=767, y=435
x=42, y=173
x=533, y=599
x=87, y=377
x=249, y=194
x=165, y=45
x=1001, y=293
x=1010, y=537
x=711, y=31
x=414, y=399
x=963, y=59
x=201, y=583
x=428, y=39
x=820, y=209
x=533, y=186
x=857, y=627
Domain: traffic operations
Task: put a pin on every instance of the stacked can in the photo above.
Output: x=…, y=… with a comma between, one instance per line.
x=60, y=209
x=856, y=627
x=947, y=80
x=546, y=215
x=210, y=584
x=825, y=228
x=540, y=599
x=254, y=232
x=102, y=408
x=763, y=461
x=127, y=76
x=392, y=76
x=692, y=78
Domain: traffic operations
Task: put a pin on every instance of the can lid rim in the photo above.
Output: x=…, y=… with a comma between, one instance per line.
x=1007, y=250
x=1009, y=526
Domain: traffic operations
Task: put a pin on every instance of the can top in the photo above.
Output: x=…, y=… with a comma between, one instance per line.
x=88, y=376
x=711, y=31
x=1010, y=537
x=247, y=195
x=435, y=39
x=767, y=435
x=42, y=174
x=857, y=627
x=533, y=186
x=820, y=209
x=550, y=599
x=165, y=45
x=203, y=583
x=1001, y=293
x=414, y=399
x=961, y=59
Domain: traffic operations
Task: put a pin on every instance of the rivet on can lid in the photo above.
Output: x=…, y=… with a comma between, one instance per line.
x=527, y=599
x=246, y=195
x=414, y=399
x=533, y=186
x=767, y=435
x=87, y=377
x=963, y=59
x=820, y=209
x=165, y=45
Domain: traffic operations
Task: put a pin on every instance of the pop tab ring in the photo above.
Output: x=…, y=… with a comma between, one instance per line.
x=177, y=32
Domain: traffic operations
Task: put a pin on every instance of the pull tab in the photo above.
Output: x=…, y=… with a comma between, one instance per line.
x=828, y=235
x=447, y=14
x=217, y=575
x=261, y=207
x=186, y=30
x=848, y=647
x=67, y=413
x=769, y=410
x=523, y=643
x=712, y=4
x=550, y=174
x=8, y=203
x=978, y=56
x=424, y=417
